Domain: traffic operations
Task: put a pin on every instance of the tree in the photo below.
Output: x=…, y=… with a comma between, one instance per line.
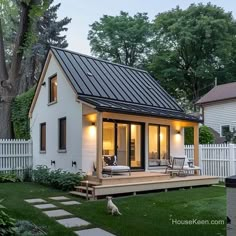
x=192, y=47
x=29, y=11
x=123, y=39
x=48, y=31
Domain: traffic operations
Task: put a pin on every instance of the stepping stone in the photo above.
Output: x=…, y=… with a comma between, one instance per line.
x=73, y=222
x=69, y=203
x=93, y=232
x=35, y=200
x=59, y=198
x=57, y=213
x=45, y=206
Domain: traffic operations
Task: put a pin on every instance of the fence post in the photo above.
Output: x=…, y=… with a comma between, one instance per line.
x=231, y=159
x=200, y=156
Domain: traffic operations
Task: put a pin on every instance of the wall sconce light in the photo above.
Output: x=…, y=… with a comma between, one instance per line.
x=74, y=163
x=53, y=163
x=178, y=132
x=43, y=84
x=93, y=123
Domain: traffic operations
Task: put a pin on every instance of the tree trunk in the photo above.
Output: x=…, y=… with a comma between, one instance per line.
x=5, y=116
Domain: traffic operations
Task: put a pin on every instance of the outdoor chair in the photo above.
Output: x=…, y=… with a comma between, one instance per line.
x=176, y=166
x=190, y=167
x=111, y=167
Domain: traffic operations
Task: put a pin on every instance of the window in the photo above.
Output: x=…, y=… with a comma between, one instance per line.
x=53, y=89
x=43, y=137
x=224, y=130
x=62, y=134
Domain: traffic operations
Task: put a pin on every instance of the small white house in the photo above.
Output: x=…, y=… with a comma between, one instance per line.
x=85, y=108
x=219, y=108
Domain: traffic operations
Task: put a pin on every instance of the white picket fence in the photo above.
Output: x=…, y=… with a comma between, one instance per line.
x=215, y=159
x=15, y=155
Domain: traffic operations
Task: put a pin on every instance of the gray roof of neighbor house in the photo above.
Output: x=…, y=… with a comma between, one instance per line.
x=219, y=93
x=117, y=88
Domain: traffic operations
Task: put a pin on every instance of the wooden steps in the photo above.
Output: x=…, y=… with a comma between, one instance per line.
x=85, y=189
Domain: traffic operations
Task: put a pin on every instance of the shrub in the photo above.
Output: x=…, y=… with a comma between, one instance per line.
x=56, y=178
x=26, y=228
x=7, y=223
x=27, y=175
x=6, y=177
x=205, y=136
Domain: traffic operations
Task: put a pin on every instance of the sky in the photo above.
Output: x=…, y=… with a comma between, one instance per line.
x=85, y=12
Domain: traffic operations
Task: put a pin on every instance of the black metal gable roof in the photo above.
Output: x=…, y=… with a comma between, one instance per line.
x=100, y=79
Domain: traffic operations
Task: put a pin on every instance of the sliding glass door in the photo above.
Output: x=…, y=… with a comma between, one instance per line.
x=158, y=145
x=125, y=140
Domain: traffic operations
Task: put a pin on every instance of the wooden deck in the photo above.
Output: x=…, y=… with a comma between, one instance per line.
x=138, y=182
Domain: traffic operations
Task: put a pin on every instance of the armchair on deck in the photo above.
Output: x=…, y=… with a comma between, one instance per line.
x=111, y=167
x=176, y=166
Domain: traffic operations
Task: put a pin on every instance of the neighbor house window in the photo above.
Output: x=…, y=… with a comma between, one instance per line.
x=224, y=130
x=43, y=137
x=62, y=134
x=53, y=89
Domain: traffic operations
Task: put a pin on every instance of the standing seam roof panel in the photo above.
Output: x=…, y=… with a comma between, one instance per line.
x=96, y=77
x=122, y=90
x=144, y=91
x=157, y=101
x=67, y=72
x=127, y=84
x=76, y=74
x=106, y=78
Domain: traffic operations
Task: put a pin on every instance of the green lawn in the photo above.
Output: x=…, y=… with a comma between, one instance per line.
x=142, y=215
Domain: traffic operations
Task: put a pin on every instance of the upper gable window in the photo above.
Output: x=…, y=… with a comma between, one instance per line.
x=53, y=89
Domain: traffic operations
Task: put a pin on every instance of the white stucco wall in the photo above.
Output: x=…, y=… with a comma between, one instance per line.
x=220, y=113
x=66, y=106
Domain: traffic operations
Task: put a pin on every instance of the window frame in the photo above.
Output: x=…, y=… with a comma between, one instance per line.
x=50, y=101
x=62, y=148
x=42, y=150
x=221, y=133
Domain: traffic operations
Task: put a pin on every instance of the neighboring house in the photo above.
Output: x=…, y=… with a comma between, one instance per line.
x=85, y=108
x=219, y=109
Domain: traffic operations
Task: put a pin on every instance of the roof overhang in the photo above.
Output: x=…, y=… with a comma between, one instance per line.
x=114, y=106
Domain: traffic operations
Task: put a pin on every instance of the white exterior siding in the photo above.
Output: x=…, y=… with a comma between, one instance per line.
x=220, y=113
x=66, y=106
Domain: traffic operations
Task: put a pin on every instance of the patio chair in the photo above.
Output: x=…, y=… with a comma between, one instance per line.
x=176, y=166
x=190, y=167
x=111, y=167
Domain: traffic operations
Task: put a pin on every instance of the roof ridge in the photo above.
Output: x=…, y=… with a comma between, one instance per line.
x=98, y=59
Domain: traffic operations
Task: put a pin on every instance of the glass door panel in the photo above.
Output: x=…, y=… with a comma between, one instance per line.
x=153, y=147
x=108, y=138
x=122, y=144
x=164, y=145
x=135, y=146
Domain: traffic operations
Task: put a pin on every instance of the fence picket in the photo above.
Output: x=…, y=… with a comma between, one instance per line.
x=215, y=159
x=15, y=155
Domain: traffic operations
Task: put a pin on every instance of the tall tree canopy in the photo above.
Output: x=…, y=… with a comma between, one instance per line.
x=26, y=30
x=192, y=47
x=123, y=39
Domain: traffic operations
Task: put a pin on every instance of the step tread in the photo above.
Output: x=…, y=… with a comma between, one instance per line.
x=84, y=188
x=89, y=182
x=81, y=194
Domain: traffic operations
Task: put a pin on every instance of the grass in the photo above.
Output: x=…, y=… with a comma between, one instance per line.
x=147, y=214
